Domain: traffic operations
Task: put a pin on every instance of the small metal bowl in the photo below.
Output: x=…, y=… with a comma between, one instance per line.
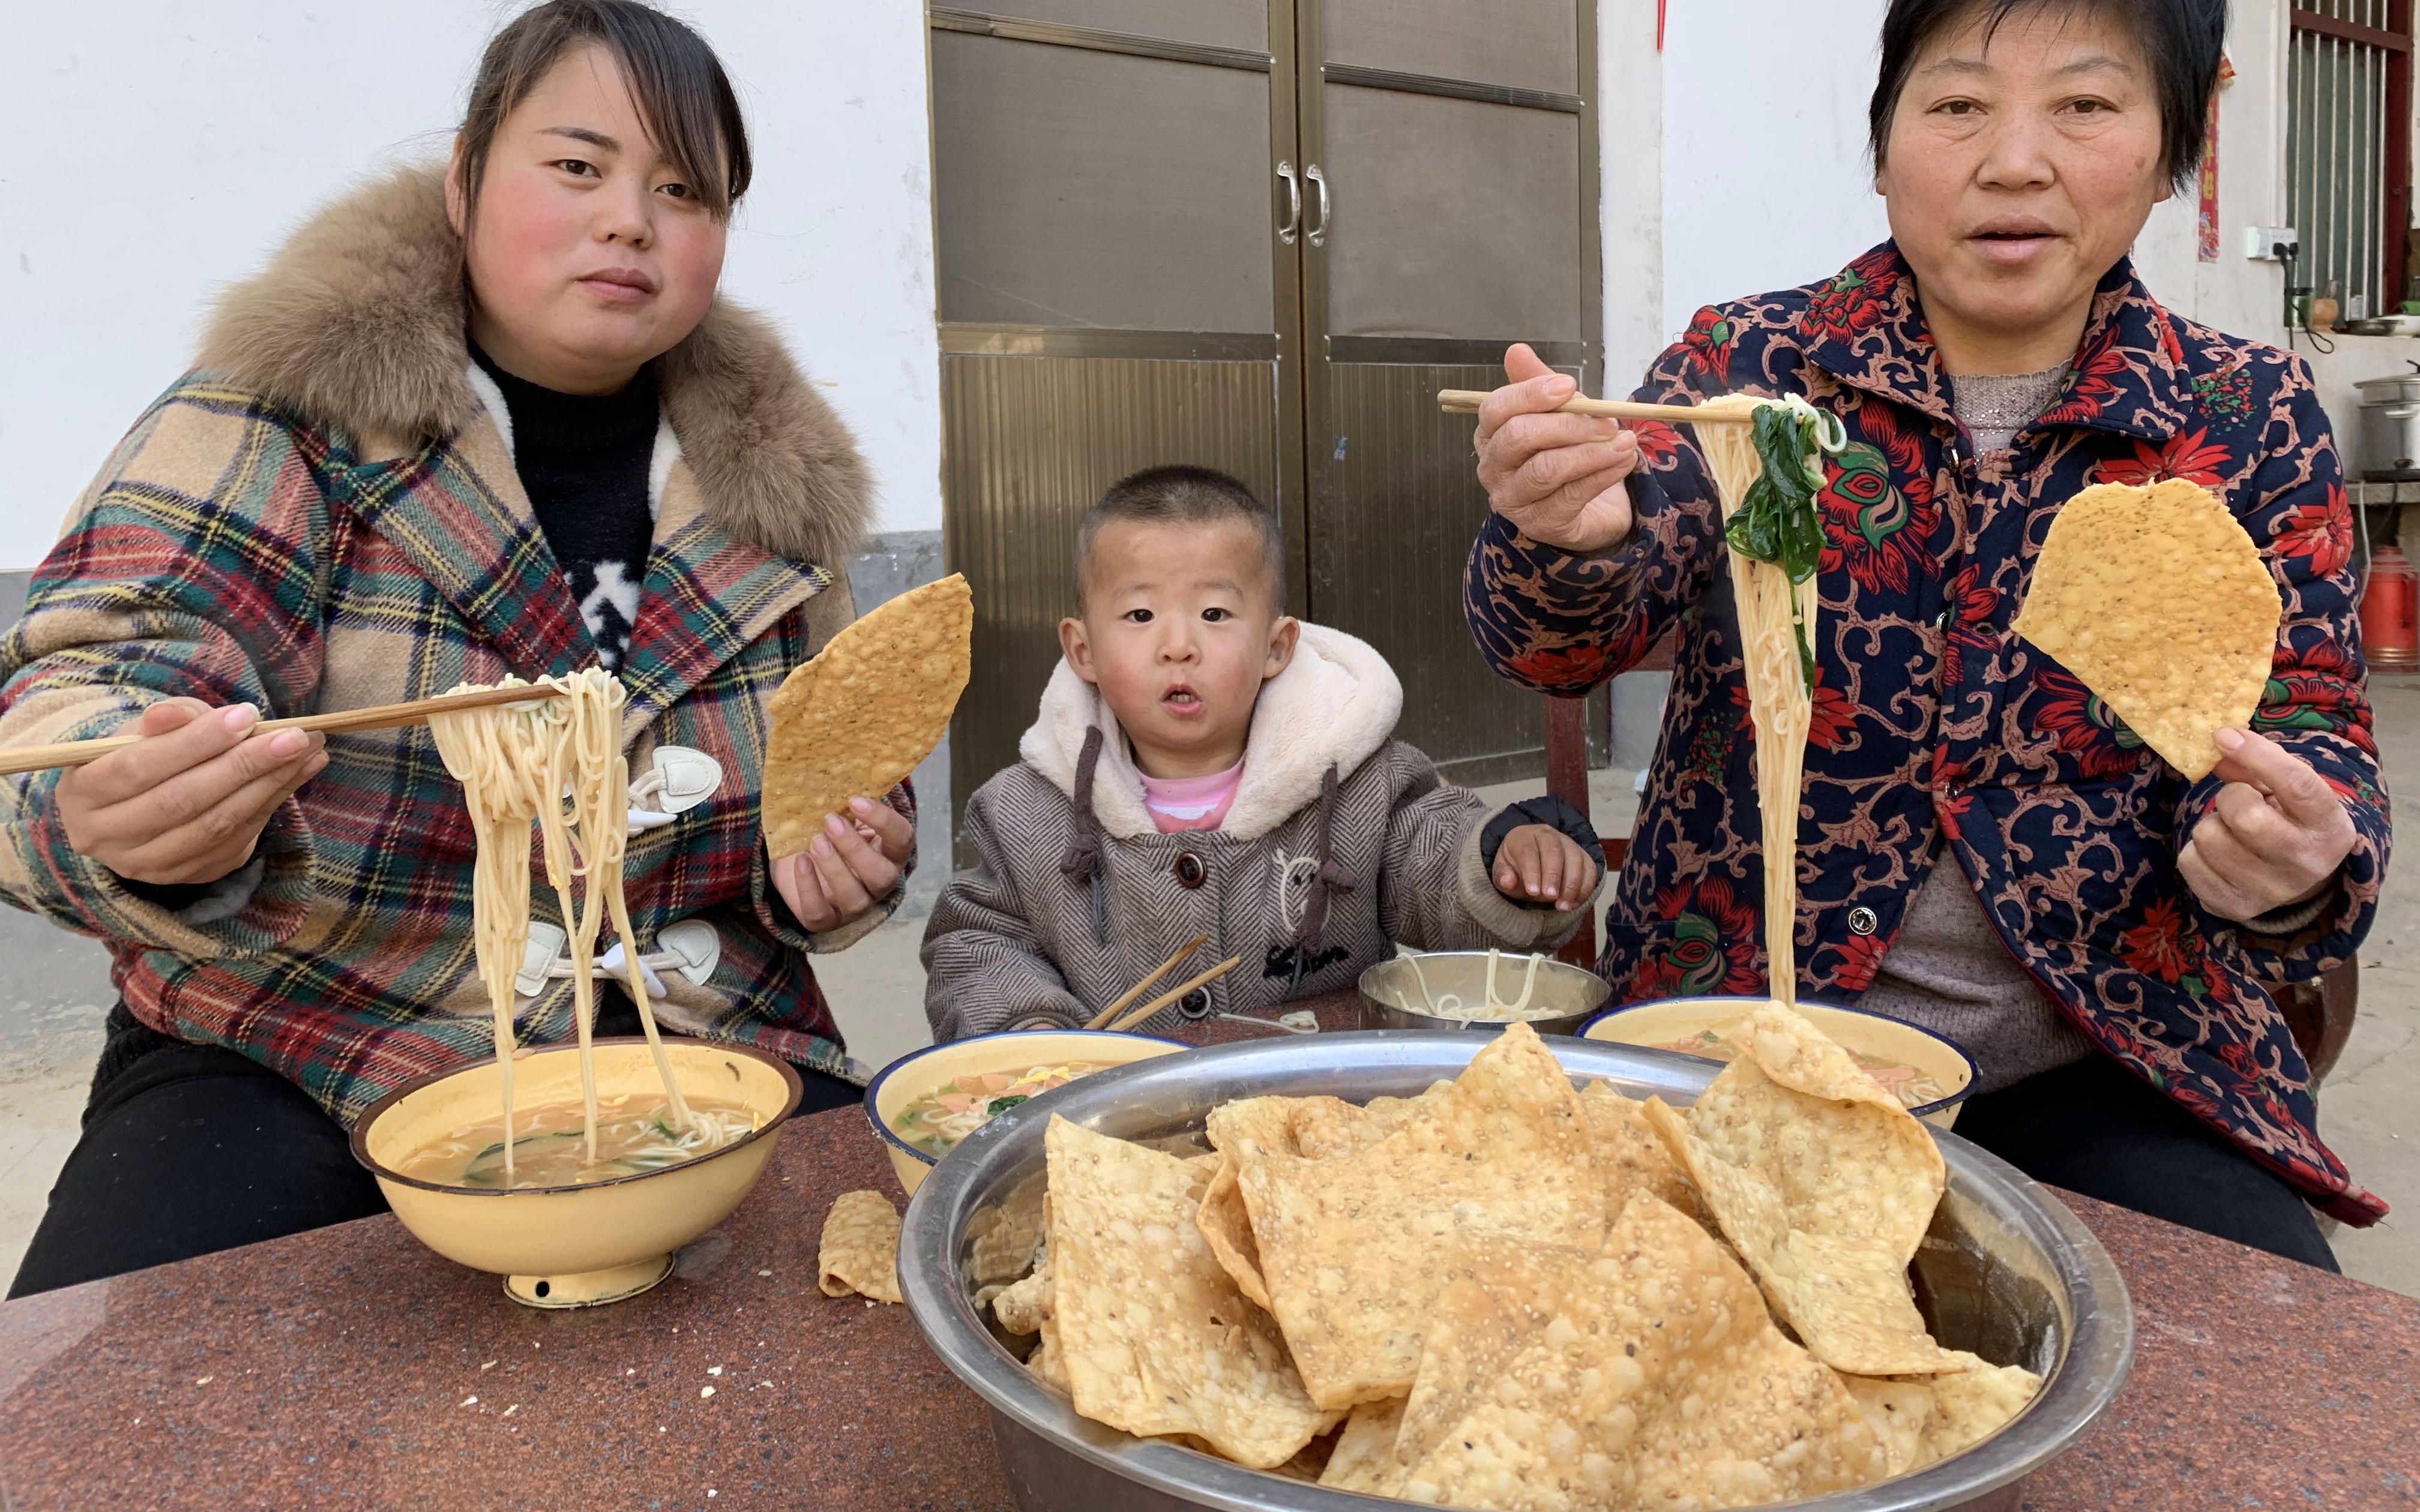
x=1569, y=992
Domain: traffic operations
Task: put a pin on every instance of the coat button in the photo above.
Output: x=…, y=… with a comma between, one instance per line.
x=1189, y=870
x=1862, y=920
x=1195, y=1004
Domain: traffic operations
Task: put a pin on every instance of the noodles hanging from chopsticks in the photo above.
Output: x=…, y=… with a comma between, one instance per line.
x=558, y=762
x=1776, y=620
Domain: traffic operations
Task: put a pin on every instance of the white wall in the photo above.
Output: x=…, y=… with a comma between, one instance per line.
x=1765, y=179
x=1762, y=181
x=159, y=148
x=1630, y=124
x=2242, y=295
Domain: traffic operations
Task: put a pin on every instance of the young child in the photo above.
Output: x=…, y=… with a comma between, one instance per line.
x=1203, y=764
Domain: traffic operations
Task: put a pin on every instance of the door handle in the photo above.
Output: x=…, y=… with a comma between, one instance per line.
x=1317, y=234
x=1293, y=203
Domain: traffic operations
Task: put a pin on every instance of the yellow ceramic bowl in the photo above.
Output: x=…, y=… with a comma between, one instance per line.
x=1894, y=1042
x=913, y=1075
x=570, y=1247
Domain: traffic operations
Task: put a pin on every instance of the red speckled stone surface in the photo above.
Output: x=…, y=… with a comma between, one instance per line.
x=339, y=1368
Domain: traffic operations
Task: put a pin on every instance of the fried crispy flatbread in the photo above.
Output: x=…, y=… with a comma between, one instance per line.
x=1153, y=1336
x=1825, y=1185
x=868, y=707
x=1658, y=1379
x=2157, y=598
x=1355, y=1248
x=859, y=1252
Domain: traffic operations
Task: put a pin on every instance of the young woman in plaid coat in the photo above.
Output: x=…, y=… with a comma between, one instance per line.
x=481, y=419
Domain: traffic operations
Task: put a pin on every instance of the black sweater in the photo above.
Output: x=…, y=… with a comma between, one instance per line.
x=584, y=459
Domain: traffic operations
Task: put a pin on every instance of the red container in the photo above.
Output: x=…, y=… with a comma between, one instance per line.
x=2390, y=610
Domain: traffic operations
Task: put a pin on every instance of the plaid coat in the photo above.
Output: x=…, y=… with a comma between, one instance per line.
x=323, y=515
x=1937, y=731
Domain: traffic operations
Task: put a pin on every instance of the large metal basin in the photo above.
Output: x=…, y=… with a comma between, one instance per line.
x=2006, y=1271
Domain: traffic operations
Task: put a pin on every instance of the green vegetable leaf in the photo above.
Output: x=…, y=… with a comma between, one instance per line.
x=1000, y=1104
x=1778, y=522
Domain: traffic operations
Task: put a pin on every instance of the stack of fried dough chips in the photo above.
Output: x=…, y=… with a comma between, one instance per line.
x=860, y=715
x=2159, y=601
x=1507, y=1292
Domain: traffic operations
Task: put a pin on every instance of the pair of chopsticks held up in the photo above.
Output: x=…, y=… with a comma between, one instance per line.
x=1115, y=1016
x=342, y=721
x=1467, y=401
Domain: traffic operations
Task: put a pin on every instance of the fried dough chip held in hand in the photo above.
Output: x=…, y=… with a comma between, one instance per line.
x=2158, y=600
x=870, y=705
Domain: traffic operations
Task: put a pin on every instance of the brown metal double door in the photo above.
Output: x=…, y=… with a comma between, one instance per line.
x=1256, y=235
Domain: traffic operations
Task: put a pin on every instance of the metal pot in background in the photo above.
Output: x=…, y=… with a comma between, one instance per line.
x=2390, y=427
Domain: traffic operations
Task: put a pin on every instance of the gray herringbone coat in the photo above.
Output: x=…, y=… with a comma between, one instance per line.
x=1018, y=941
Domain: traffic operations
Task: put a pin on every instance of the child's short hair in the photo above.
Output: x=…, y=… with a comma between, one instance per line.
x=1181, y=495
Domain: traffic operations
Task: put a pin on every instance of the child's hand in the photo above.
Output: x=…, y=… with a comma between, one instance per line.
x=1539, y=862
x=850, y=867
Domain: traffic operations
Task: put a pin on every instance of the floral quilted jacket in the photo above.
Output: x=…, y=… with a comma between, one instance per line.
x=1937, y=733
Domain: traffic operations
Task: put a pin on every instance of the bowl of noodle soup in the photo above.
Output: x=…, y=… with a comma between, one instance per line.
x=923, y=1103
x=609, y=1230
x=1481, y=990
x=1928, y=1074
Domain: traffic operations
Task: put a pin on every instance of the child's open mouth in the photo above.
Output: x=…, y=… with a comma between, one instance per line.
x=1181, y=700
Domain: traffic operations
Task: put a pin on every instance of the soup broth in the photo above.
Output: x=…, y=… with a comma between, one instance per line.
x=1913, y=1088
x=635, y=1134
x=936, y=1121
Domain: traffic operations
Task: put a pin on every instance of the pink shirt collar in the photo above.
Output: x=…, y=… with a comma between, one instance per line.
x=1183, y=803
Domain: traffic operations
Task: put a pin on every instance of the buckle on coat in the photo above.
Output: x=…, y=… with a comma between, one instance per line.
x=676, y=781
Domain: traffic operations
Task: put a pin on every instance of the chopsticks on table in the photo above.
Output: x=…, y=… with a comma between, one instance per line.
x=1101, y=1019
x=1465, y=402
x=1140, y=1014
x=377, y=717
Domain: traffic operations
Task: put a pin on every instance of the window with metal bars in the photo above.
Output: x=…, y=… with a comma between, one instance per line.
x=2349, y=147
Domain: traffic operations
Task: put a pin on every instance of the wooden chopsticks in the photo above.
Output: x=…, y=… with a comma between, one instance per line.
x=1465, y=402
x=377, y=717
x=1102, y=1018
x=1140, y=1014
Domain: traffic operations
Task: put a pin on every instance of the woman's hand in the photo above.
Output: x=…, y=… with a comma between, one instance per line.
x=189, y=803
x=1539, y=863
x=2275, y=835
x=1558, y=478
x=839, y=876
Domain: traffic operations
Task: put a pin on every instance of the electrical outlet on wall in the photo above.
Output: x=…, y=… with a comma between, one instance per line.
x=2260, y=242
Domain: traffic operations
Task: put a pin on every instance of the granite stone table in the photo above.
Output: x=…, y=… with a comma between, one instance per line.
x=350, y=1368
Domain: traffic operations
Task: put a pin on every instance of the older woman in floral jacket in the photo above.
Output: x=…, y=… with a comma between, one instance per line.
x=1985, y=847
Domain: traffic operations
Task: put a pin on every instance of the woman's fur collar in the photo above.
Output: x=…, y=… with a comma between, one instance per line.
x=357, y=323
x=1335, y=704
